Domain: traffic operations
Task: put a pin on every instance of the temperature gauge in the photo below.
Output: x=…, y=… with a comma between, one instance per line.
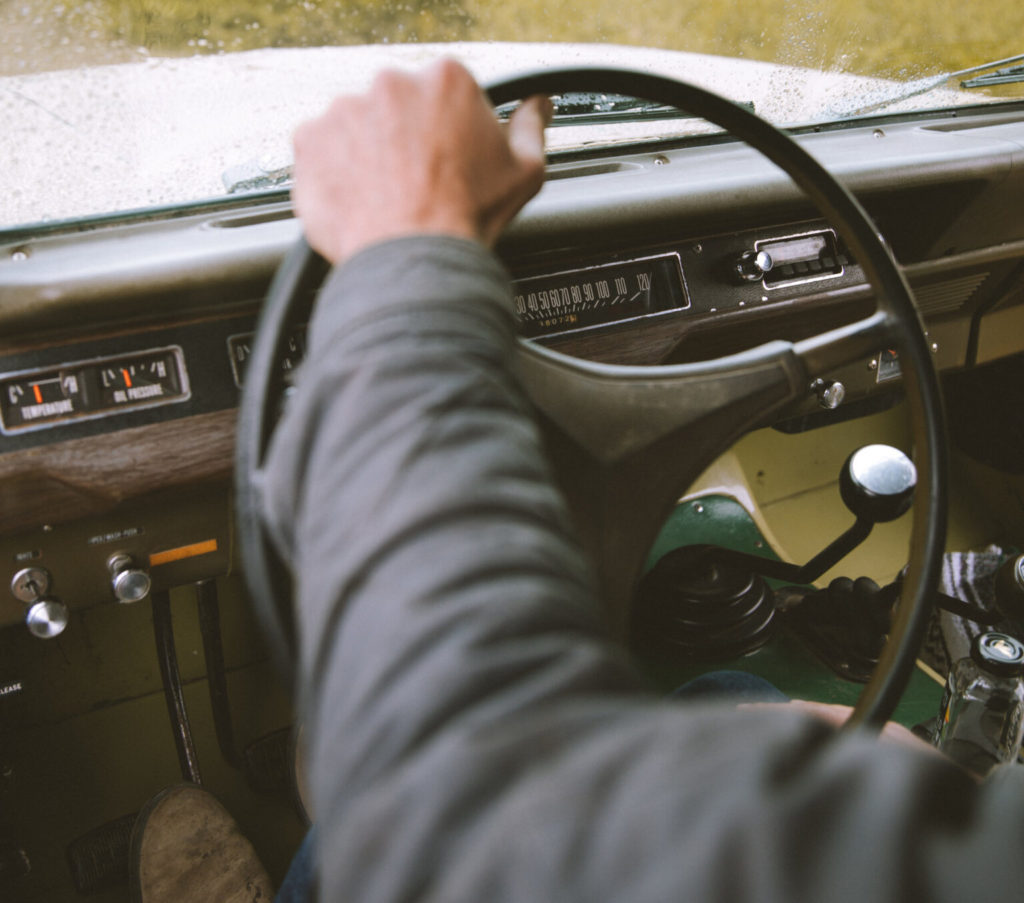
x=40, y=398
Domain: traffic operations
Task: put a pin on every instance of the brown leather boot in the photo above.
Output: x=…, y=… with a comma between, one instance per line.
x=185, y=847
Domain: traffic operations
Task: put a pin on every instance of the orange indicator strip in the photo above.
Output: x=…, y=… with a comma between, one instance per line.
x=182, y=552
x=127, y=378
x=38, y=394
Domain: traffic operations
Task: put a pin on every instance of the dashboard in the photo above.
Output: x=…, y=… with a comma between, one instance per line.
x=123, y=344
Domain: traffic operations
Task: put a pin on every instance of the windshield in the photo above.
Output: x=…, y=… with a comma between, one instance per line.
x=117, y=105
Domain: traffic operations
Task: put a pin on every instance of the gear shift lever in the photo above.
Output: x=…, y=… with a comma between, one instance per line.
x=706, y=601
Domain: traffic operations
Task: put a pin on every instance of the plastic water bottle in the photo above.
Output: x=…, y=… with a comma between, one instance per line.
x=982, y=715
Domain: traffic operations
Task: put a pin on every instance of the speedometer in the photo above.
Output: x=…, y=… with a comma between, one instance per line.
x=599, y=295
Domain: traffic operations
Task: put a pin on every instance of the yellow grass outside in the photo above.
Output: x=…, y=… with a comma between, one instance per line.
x=881, y=37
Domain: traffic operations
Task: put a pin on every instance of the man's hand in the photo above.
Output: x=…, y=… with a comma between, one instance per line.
x=837, y=715
x=417, y=154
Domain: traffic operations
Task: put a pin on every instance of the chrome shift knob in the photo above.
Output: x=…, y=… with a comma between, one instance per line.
x=877, y=483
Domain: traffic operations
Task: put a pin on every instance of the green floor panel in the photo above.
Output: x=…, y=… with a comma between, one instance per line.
x=785, y=661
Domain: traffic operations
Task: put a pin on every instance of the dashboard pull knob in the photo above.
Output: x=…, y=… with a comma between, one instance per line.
x=752, y=265
x=30, y=584
x=47, y=618
x=129, y=583
x=830, y=393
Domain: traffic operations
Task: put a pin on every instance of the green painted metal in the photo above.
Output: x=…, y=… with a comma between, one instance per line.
x=714, y=519
x=785, y=660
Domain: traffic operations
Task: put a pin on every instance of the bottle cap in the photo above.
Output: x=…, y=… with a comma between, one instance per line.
x=998, y=653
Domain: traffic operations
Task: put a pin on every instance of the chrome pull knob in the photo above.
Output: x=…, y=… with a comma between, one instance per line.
x=129, y=583
x=47, y=618
x=830, y=393
x=30, y=584
x=753, y=265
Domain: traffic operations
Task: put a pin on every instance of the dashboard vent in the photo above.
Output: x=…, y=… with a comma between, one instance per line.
x=254, y=219
x=949, y=295
x=575, y=171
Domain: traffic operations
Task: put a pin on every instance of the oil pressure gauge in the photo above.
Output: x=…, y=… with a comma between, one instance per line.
x=141, y=379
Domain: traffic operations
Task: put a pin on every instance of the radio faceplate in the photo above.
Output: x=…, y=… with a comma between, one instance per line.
x=798, y=259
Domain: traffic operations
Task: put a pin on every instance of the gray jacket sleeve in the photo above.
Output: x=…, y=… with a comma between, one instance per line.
x=474, y=737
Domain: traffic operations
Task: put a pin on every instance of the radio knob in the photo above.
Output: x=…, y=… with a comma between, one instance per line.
x=753, y=265
x=47, y=618
x=129, y=583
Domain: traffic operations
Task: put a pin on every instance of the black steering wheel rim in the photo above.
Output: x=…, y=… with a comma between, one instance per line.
x=302, y=272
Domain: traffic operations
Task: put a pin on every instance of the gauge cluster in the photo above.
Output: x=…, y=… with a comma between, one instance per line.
x=157, y=375
x=43, y=397
x=679, y=281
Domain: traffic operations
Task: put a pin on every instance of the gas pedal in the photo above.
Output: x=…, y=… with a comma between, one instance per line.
x=99, y=859
x=268, y=763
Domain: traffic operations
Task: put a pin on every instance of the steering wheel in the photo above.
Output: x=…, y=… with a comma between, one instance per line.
x=626, y=441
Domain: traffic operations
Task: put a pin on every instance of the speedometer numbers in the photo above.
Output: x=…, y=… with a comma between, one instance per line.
x=595, y=296
x=87, y=389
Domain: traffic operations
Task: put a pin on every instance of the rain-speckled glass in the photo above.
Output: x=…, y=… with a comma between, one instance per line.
x=112, y=105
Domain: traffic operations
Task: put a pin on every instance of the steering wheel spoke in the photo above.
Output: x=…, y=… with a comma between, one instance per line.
x=616, y=412
x=823, y=354
x=626, y=441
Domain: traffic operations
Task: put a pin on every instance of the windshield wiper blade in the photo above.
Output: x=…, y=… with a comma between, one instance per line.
x=574, y=108
x=932, y=82
x=1008, y=76
x=590, y=108
x=255, y=176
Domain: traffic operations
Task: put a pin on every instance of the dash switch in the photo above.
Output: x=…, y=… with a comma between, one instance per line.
x=129, y=583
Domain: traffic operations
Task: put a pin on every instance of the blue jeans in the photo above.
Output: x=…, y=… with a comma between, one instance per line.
x=730, y=686
x=299, y=885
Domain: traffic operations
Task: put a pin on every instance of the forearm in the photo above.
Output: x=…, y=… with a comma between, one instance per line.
x=433, y=556
x=474, y=736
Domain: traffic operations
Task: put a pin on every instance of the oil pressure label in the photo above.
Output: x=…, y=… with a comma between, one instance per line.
x=33, y=399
